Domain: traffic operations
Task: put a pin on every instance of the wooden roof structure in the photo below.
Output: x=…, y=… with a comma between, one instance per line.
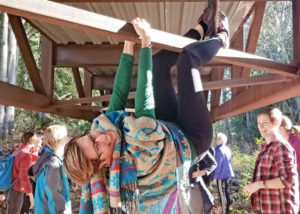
x=86, y=34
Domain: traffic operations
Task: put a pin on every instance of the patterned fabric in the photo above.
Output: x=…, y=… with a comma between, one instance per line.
x=145, y=153
x=276, y=160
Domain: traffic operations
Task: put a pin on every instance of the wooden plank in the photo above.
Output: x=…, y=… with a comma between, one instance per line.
x=296, y=31
x=15, y=96
x=257, y=97
x=105, y=55
x=103, y=98
x=245, y=81
x=26, y=52
x=236, y=71
x=47, y=69
x=75, y=18
x=29, y=100
x=78, y=82
x=252, y=61
x=241, y=26
x=87, y=83
x=254, y=32
x=216, y=74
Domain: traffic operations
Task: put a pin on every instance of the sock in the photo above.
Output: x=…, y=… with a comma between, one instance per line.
x=204, y=26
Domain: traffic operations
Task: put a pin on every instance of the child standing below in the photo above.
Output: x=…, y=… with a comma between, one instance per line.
x=52, y=186
x=223, y=172
x=22, y=189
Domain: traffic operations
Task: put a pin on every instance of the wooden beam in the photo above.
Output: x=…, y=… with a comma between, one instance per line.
x=296, y=31
x=106, y=82
x=241, y=26
x=245, y=81
x=33, y=71
x=98, y=56
x=47, y=69
x=257, y=97
x=29, y=100
x=79, y=19
x=236, y=71
x=87, y=83
x=254, y=32
x=103, y=98
x=216, y=75
x=78, y=82
x=252, y=61
x=15, y=96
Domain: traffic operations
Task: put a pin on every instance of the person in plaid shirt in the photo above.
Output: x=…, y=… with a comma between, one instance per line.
x=274, y=188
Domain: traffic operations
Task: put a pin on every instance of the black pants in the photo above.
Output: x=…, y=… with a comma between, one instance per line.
x=223, y=189
x=188, y=109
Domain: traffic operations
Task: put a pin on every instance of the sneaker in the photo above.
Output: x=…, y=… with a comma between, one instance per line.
x=223, y=28
x=209, y=19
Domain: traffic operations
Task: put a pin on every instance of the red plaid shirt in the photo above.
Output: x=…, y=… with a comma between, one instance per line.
x=276, y=160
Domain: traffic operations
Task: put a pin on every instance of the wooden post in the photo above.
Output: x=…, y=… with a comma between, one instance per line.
x=47, y=69
x=296, y=31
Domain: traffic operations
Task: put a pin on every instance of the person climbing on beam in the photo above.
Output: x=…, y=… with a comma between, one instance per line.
x=140, y=163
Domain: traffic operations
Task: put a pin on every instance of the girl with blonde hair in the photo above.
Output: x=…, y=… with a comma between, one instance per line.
x=52, y=185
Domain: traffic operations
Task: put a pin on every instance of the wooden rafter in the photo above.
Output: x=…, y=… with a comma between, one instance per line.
x=29, y=100
x=296, y=31
x=74, y=18
x=253, y=35
x=88, y=100
x=98, y=56
x=256, y=97
x=47, y=69
x=33, y=71
x=216, y=75
x=236, y=71
x=78, y=82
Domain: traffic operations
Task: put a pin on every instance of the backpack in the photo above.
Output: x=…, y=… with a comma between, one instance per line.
x=6, y=167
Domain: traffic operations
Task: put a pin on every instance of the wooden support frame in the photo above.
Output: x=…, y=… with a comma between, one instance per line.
x=236, y=71
x=103, y=98
x=98, y=56
x=33, y=71
x=216, y=75
x=87, y=83
x=47, y=69
x=29, y=100
x=256, y=97
x=78, y=82
x=74, y=18
x=296, y=32
x=253, y=36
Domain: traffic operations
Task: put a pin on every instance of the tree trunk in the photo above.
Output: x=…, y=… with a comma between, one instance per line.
x=3, y=62
x=227, y=130
x=13, y=56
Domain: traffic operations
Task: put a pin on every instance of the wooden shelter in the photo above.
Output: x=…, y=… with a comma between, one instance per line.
x=87, y=34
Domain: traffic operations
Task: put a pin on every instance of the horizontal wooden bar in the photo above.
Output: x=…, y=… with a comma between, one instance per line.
x=98, y=56
x=246, y=81
x=252, y=61
x=257, y=97
x=103, y=98
x=66, y=16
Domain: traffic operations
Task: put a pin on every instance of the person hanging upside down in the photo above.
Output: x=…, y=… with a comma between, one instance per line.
x=140, y=163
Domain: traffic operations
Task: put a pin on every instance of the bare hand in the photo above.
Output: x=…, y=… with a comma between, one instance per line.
x=2, y=197
x=31, y=200
x=215, y=181
x=198, y=173
x=142, y=28
x=252, y=188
